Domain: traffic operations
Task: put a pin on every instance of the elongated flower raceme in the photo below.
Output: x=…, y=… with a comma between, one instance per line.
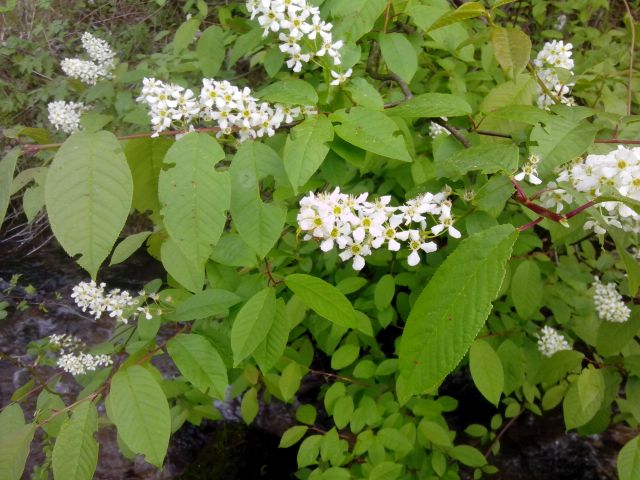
x=554, y=57
x=357, y=226
x=65, y=116
x=609, y=303
x=100, y=65
x=551, y=342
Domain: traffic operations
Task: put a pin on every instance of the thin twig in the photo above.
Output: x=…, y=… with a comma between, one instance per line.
x=457, y=134
x=501, y=433
x=373, y=63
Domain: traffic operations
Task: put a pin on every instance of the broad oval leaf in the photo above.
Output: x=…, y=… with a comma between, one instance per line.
x=138, y=407
x=185, y=270
x=629, y=460
x=210, y=51
x=15, y=442
x=194, y=196
x=527, y=289
x=88, y=196
x=251, y=325
x=453, y=307
x=463, y=12
x=490, y=158
x=275, y=343
x=205, y=304
x=292, y=92
x=399, y=55
x=486, y=370
x=512, y=48
x=75, y=454
x=323, y=298
x=127, y=247
x=200, y=363
x=430, y=105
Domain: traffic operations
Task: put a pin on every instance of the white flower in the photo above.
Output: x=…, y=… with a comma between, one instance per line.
x=415, y=244
x=446, y=221
x=81, y=363
x=551, y=342
x=100, y=66
x=340, y=77
x=91, y=296
x=435, y=129
x=554, y=197
x=609, y=303
x=357, y=251
x=65, y=116
x=555, y=54
x=530, y=171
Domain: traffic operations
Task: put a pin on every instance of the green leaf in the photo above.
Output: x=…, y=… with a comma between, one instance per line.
x=486, y=158
x=138, y=407
x=631, y=265
x=232, y=250
x=385, y=471
x=259, y=224
x=323, y=298
x=194, y=196
x=200, y=363
x=629, y=460
x=486, y=370
x=591, y=389
x=244, y=44
x=185, y=34
x=399, y=55
x=290, y=92
x=365, y=94
x=205, y=304
x=33, y=201
x=75, y=453
x=560, y=140
x=512, y=48
x=384, y=292
x=275, y=343
x=468, y=455
x=342, y=411
x=430, y=105
x=576, y=411
x=309, y=450
x=613, y=337
x=15, y=442
x=185, y=270
x=372, y=131
x=356, y=17
x=292, y=436
x=344, y=356
x=88, y=196
x=463, y=12
x=628, y=201
x=435, y=433
x=210, y=51
x=127, y=247
x=452, y=308
x=251, y=325
x=394, y=440
x=290, y=381
x=527, y=289
x=145, y=156
x=249, y=405
x=7, y=167
x=306, y=149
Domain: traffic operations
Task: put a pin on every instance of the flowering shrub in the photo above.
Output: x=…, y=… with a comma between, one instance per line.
x=400, y=190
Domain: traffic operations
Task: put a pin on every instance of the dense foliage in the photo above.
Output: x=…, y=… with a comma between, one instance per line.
x=377, y=192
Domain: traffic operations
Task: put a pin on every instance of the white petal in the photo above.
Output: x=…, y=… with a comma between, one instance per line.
x=358, y=262
x=414, y=258
x=453, y=231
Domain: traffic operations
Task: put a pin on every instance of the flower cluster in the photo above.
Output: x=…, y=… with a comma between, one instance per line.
x=100, y=66
x=530, y=170
x=617, y=172
x=91, y=296
x=81, y=363
x=358, y=226
x=66, y=341
x=65, y=116
x=435, y=129
x=303, y=35
x=608, y=302
x=231, y=108
x=555, y=54
x=550, y=342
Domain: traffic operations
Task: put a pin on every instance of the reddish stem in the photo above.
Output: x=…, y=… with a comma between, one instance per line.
x=529, y=225
x=581, y=208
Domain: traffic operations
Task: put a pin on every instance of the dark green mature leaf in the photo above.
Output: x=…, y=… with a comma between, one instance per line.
x=306, y=149
x=486, y=371
x=486, y=158
x=88, y=196
x=463, y=12
x=259, y=224
x=75, y=453
x=200, y=363
x=527, y=289
x=145, y=156
x=578, y=408
x=210, y=51
x=399, y=55
x=291, y=92
x=453, y=307
x=372, y=131
x=323, y=298
x=7, y=167
x=251, y=325
x=194, y=196
x=612, y=337
x=138, y=407
x=356, y=17
x=205, y=304
x=15, y=442
x=560, y=140
x=430, y=105
x=512, y=48
x=629, y=460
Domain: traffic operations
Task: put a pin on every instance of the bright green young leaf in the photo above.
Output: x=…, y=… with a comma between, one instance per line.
x=372, y=131
x=512, y=48
x=47, y=406
x=88, y=196
x=292, y=436
x=631, y=265
x=200, y=363
x=386, y=471
x=290, y=381
x=430, y=105
x=527, y=289
x=463, y=12
x=15, y=442
x=576, y=413
x=435, y=433
x=185, y=34
x=290, y=92
x=127, y=247
x=468, y=455
x=309, y=450
x=245, y=43
x=251, y=325
x=138, y=407
x=365, y=94
x=75, y=453
x=206, y=303
x=399, y=55
x=591, y=388
x=394, y=440
x=194, y=196
x=342, y=411
x=344, y=356
x=452, y=308
x=486, y=158
x=486, y=370
x=210, y=51
x=145, y=156
x=306, y=149
x=259, y=224
x=185, y=270
x=274, y=344
x=629, y=460
x=249, y=406
x=233, y=251
x=384, y=292
x=356, y=17
x=613, y=337
x=7, y=167
x=323, y=298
